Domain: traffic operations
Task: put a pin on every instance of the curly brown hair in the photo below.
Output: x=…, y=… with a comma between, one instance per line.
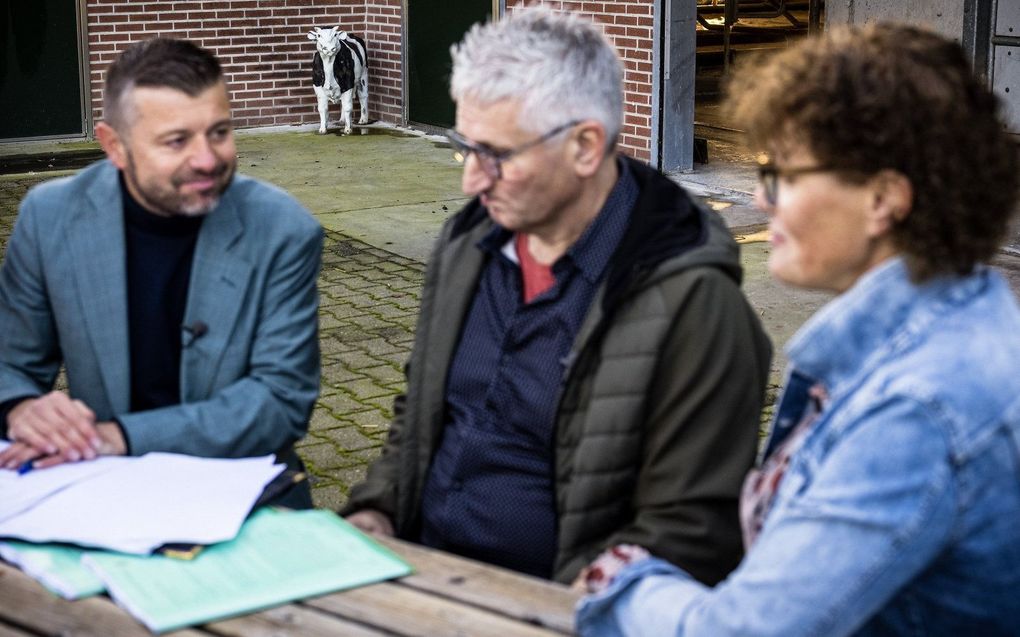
x=893, y=97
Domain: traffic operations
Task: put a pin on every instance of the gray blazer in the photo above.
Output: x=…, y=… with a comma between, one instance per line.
x=248, y=384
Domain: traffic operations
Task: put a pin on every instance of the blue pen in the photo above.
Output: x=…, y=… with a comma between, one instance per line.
x=25, y=467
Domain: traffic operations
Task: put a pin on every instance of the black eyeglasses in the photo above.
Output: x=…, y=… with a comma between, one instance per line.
x=769, y=174
x=491, y=161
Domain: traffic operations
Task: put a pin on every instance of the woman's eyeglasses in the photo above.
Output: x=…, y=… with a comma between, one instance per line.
x=769, y=174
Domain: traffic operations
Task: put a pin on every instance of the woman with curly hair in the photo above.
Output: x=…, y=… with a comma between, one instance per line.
x=886, y=499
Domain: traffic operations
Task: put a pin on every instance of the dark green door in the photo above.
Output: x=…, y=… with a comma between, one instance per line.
x=431, y=28
x=40, y=82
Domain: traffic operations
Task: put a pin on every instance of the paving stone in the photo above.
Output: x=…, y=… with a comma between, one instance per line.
x=379, y=347
x=358, y=359
x=347, y=438
x=373, y=420
x=334, y=370
x=366, y=388
x=321, y=457
x=322, y=420
x=328, y=321
x=341, y=404
x=330, y=345
x=371, y=323
x=386, y=375
x=395, y=313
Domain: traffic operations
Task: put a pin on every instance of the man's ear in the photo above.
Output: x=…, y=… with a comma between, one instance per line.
x=112, y=143
x=588, y=147
x=892, y=199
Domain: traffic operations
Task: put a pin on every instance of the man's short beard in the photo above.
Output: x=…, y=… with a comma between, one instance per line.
x=168, y=202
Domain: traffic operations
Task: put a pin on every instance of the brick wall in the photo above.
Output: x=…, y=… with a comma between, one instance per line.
x=383, y=34
x=629, y=25
x=263, y=47
x=267, y=57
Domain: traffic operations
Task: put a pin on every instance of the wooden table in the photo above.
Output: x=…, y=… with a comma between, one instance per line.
x=446, y=596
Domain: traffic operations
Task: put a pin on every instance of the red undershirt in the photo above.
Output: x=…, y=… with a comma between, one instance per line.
x=537, y=277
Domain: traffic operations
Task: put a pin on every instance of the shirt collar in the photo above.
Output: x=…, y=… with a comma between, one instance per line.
x=593, y=249
x=138, y=217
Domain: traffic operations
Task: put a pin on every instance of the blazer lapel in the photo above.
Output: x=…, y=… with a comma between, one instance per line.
x=96, y=241
x=219, y=282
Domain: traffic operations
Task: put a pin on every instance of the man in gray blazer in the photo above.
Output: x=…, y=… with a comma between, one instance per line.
x=179, y=297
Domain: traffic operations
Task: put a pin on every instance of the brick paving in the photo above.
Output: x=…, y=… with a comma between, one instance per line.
x=368, y=307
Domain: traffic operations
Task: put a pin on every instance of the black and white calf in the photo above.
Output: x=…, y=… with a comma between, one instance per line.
x=340, y=65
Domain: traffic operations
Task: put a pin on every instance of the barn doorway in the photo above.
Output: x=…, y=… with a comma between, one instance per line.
x=41, y=86
x=432, y=27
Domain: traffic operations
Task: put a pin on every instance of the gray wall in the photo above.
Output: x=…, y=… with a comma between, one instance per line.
x=944, y=16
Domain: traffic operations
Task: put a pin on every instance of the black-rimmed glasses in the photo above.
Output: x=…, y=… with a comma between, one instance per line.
x=769, y=174
x=491, y=161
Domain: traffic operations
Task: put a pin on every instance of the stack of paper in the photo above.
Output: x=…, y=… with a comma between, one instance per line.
x=134, y=505
x=22, y=492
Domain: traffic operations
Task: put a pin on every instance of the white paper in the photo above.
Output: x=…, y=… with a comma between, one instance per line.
x=21, y=492
x=149, y=501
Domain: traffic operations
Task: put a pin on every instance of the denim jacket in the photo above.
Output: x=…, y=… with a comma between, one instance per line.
x=900, y=512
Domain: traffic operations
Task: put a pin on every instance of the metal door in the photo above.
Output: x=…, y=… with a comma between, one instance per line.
x=1006, y=61
x=432, y=27
x=41, y=85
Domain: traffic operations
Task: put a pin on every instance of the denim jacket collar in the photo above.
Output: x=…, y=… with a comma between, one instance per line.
x=882, y=313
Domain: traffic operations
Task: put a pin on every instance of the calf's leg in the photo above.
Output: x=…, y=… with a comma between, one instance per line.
x=347, y=105
x=323, y=110
x=363, y=98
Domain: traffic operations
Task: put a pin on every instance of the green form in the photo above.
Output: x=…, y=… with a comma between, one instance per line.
x=278, y=557
x=55, y=566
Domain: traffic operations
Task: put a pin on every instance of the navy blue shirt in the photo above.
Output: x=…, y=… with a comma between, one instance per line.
x=159, y=255
x=490, y=492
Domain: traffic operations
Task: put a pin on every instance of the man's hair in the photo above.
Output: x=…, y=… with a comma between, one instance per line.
x=559, y=66
x=900, y=98
x=156, y=63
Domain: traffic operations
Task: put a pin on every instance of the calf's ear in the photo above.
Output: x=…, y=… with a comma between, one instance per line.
x=314, y=33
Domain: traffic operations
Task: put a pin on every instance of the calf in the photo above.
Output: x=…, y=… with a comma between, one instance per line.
x=340, y=65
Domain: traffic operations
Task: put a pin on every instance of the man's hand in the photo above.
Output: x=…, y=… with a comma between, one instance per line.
x=112, y=444
x=372, y=522
x=16, y=455
x=53, y=425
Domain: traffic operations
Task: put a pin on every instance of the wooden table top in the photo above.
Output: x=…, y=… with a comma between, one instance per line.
x=446, y=596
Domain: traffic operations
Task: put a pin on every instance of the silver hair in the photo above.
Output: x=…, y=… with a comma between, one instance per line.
x=559, y=66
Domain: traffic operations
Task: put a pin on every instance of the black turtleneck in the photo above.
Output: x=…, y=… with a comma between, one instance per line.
x=158, y=258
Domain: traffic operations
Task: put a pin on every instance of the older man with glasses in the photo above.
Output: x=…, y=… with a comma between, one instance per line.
x=586, y=371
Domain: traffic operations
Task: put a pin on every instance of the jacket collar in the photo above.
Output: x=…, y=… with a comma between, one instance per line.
x=883, y=314
x=663, y=224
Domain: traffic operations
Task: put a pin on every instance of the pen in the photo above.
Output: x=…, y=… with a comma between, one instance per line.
x=25, y=467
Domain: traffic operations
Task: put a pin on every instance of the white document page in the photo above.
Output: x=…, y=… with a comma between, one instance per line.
x=149, y=501
x=21, y=492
